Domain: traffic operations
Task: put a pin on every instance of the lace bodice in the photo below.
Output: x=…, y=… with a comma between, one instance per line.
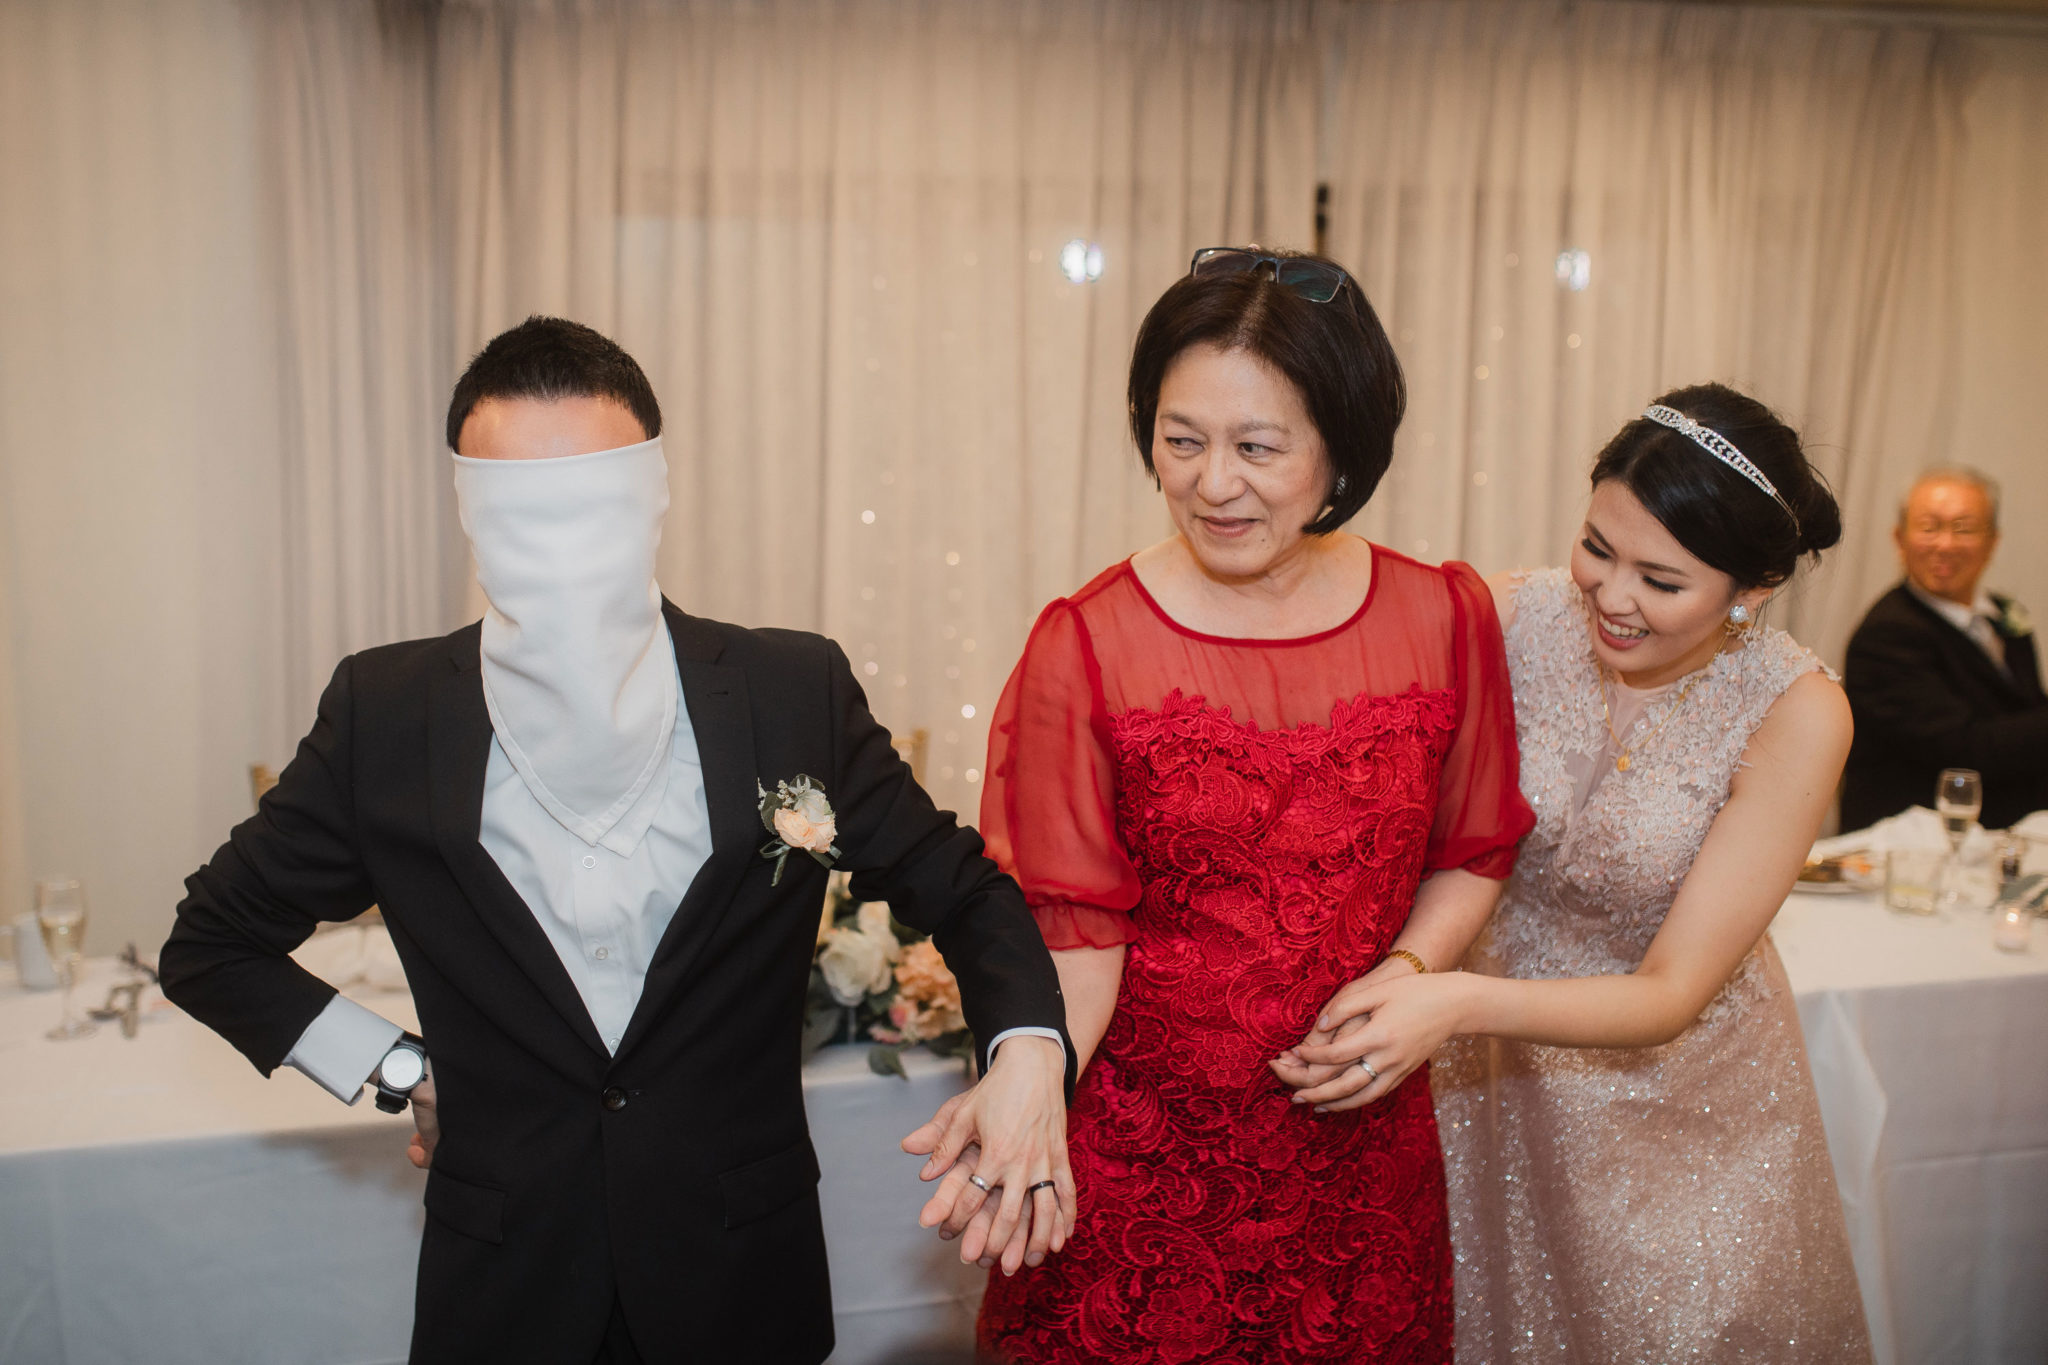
x=1610, y=848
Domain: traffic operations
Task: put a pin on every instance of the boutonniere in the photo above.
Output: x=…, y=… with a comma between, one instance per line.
x=802, y=821
x=2013, y=621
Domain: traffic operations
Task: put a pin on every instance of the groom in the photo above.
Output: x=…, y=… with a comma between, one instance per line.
x=560, y=812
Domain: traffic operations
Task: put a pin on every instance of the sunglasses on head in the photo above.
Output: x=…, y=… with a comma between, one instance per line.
x=1316, y=281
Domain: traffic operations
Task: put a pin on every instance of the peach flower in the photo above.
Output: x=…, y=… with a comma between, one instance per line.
x=922, y=977
x=800, y=830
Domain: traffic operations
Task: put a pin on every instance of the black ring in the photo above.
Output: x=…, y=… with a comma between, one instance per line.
x=1044, y=1185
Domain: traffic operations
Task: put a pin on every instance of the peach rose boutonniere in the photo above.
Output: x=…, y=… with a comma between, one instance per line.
x=802, y=821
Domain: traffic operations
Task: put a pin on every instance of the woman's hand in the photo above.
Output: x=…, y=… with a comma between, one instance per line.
x=1296, y=1072
x=1017, y=1115
x=1392, y=1024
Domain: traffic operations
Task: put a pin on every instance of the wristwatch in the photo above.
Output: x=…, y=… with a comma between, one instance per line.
x=402, y=1069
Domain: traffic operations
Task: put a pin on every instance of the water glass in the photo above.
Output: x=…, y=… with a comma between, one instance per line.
x=1911, y=879
x=60, y=910
x=1958, y=800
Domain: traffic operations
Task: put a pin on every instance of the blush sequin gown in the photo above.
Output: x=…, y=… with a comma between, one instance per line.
x=1251, y=818
x=1673, y=1203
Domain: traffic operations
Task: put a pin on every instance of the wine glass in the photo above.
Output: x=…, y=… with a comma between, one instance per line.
x=1958, y=799
x=60, y=910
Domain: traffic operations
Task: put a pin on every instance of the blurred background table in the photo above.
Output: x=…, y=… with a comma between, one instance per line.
x=1927, y=1050
x=161, y=1202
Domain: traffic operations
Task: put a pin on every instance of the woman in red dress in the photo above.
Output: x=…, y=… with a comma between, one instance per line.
x=1234, y=773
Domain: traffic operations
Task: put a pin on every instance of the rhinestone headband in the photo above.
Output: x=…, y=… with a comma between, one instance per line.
x=1721, y=448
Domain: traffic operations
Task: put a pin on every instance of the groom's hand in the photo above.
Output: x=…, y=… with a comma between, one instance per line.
x=427, y=1121
x=1018, y=1116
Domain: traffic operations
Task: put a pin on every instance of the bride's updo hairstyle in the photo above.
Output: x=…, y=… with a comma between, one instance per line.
x=1719, y=515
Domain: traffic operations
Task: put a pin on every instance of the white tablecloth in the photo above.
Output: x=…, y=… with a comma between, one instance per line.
x=1927, y=1050
x=161, y=1203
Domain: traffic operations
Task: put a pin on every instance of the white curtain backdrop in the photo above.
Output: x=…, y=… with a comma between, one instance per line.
x=245, y=246
x=1759, y=198
x=138, y=452
x=372, y=551
x=831, y=233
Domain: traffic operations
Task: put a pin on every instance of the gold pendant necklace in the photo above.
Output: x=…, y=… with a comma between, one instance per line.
x=1622, y=761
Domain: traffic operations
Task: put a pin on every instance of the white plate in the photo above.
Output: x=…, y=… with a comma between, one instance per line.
x=1839, y=888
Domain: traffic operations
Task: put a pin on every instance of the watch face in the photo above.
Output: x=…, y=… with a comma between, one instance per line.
x=402, y=1069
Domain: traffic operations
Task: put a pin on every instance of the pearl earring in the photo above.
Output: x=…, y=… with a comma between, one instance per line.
x=1739, y=618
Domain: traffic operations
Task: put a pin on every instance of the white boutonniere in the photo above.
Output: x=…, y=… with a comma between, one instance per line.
x=2013, y=621
x=802, y=821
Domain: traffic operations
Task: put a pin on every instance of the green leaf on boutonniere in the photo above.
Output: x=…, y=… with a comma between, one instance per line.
x=958, y=1043
x=886, y=1059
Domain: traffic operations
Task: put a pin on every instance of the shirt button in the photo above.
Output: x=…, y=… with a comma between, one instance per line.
x=614, y=1099
x=590, y=860
x=603, y=953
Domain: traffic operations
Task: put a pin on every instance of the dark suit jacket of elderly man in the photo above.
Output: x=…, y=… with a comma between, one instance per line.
x=675, y=1177
x=1927, y=697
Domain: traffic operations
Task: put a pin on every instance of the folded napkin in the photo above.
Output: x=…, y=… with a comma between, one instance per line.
x=1920, y=827
x=2034, y=827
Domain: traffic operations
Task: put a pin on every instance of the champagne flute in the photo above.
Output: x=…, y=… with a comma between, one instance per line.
x=60, y=910
x=1958, y=799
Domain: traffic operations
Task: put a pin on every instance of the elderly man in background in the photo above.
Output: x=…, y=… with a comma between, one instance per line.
x=1942, y=673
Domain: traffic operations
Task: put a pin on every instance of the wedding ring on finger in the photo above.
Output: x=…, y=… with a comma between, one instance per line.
x=1363, y=1065
x=978, y=1183
x=1044, y=1185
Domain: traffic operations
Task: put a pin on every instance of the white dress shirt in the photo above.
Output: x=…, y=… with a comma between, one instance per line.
x=1978, y=620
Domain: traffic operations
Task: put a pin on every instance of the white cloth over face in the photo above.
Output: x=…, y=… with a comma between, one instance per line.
x=578, y=672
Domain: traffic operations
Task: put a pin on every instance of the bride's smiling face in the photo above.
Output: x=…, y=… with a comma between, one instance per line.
x=1656, y=611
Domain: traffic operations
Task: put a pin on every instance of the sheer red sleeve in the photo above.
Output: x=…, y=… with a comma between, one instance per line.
x=1048, y=806
x=1480, y=814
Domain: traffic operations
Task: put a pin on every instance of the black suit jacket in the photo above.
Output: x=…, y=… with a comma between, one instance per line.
x=1925, y=697
x=676, y=1177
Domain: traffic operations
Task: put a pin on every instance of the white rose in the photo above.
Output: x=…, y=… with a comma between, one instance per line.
x=813, y=806
x=854, y=964
x=873, y=919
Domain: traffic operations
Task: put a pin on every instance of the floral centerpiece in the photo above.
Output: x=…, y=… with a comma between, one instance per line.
x=874, y=978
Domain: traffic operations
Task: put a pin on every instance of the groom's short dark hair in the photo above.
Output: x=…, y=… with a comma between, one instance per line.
x=550, y=358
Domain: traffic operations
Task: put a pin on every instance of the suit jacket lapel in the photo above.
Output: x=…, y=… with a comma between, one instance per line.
x=722, y=717
x=458, y=748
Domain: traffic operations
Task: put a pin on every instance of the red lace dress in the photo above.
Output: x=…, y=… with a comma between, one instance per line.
x=1251, y=817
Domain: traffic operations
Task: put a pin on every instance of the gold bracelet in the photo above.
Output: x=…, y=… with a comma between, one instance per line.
x=1421, y=967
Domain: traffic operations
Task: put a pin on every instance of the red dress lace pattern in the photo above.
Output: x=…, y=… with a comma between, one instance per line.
x=1254, y=851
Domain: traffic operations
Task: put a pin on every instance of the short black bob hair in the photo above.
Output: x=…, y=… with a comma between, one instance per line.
x=1717, y=514
x=549, y=359
x=1336, y=354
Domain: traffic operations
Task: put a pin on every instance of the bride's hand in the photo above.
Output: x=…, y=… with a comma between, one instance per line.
x=1293, y=1069
x=1405, y=1019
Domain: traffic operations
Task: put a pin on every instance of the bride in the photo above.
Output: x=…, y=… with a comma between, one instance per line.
x=1634, y=1152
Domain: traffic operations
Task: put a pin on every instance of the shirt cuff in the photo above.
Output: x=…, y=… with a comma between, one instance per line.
x=342, y=1048
x=1031, y=1032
